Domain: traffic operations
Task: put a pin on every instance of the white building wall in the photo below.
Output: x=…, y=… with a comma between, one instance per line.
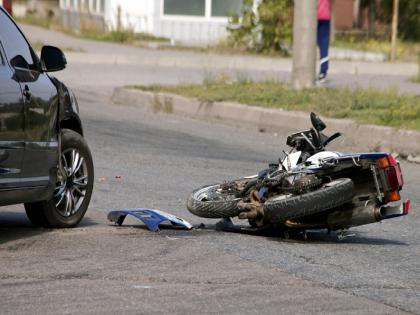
x=198, y=29
x=147, y=16
x=134, y=15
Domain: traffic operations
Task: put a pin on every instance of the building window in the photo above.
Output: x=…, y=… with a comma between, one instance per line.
x=184, y=7
x=93, y=7
x=85, y=5
x=101, y=6
x=225, y=7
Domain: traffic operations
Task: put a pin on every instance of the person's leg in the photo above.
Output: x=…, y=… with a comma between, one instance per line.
x=323, y=43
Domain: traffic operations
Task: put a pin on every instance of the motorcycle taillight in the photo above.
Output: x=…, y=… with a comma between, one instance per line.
x=394, y=176
x=396, y=165
x=391, y=174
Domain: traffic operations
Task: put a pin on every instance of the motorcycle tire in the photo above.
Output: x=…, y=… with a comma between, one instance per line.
x=333, y=194
x=203, y=202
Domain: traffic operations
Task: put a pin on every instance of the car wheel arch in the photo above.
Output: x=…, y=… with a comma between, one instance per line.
x=72, y=124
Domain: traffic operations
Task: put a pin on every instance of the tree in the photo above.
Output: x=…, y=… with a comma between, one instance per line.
x=371, y=7
x=408, y=19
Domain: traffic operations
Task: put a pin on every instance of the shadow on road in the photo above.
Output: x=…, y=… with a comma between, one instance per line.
x=322, y=237
x=15, y=226
x=310, y=237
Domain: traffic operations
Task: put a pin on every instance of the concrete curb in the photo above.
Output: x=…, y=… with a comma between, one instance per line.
x=358, y=137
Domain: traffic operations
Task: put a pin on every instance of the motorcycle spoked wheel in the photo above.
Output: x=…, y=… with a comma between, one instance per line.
x=280, y=208
x=209, y=202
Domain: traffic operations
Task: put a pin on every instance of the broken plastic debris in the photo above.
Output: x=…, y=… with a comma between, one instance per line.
x=152, y=218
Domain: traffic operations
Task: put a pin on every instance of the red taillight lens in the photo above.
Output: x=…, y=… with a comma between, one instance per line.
x=406, y=206
x=391, y=160
x=393, y=172
x=392, y=176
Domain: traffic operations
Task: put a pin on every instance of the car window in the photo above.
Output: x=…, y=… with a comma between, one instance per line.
x=12, y=39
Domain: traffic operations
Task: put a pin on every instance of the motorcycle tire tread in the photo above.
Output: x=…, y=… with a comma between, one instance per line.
x=322, y=199
x=212, y=209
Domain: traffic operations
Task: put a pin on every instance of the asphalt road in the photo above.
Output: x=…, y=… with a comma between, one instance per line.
x=160, y=158
x=100, y=268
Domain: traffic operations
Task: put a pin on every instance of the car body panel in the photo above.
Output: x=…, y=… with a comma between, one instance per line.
x=41, y=140
x=12, y=136
x=33, y=108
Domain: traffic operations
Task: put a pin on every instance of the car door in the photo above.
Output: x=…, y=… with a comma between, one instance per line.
x=40, y=105
x=12, y=135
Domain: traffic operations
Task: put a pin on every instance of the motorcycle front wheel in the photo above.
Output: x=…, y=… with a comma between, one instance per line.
x=210, y=202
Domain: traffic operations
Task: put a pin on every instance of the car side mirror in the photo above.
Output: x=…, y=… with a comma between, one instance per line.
x=318, y=124
x=52, y=59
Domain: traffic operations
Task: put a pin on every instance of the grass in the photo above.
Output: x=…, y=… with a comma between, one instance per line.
x=224, y=46
x=370, y=106
x=406, y=51
x=418, y=69
x=37, y=46
x=33, y=19
x=121, y=36
x=90, y=32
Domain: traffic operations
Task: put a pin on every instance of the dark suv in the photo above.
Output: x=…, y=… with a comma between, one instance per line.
x=45, y=162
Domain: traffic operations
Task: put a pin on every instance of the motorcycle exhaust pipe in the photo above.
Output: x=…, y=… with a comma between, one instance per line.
x=365, y=214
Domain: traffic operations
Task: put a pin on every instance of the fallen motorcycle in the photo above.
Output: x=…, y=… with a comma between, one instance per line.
x=310, y=188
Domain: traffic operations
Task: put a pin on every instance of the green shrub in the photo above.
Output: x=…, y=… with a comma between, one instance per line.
x=267, y=29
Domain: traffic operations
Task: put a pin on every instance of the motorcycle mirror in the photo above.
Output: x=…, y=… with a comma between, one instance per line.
x=318, y=124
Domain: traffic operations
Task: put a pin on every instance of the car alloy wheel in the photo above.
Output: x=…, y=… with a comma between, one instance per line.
x=72, y=183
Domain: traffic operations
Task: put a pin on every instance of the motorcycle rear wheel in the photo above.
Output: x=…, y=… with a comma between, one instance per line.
x=333, y=194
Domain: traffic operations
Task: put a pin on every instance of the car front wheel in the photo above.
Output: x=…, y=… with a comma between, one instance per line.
x=73, y=188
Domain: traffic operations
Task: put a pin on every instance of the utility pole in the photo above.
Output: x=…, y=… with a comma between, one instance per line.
x=304, y=44
x=394, y=30
x=356, y=13
x=332, y=21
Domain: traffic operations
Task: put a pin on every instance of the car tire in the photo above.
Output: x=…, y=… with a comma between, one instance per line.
x=74, y=186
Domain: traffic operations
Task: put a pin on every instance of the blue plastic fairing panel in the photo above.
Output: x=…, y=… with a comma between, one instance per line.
x=152, y=218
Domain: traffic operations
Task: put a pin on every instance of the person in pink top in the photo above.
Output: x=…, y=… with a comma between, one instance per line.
x=323, y=36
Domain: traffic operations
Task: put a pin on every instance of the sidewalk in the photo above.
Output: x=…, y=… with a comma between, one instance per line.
x=342, y=73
